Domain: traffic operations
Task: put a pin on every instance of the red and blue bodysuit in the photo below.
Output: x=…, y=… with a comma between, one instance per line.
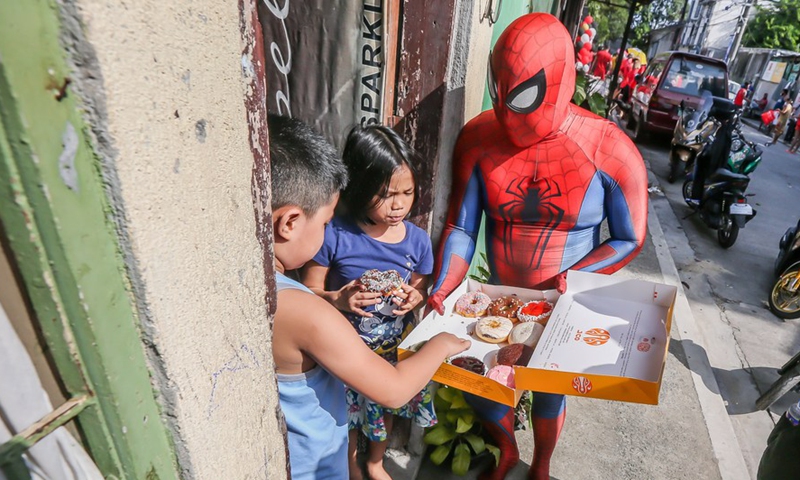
x=546, y=174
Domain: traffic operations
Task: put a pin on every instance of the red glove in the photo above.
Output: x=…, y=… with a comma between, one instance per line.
x=436, y=303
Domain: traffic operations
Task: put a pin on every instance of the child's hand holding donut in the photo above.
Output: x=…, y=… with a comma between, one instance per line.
x=407, y=297
x=353, y=297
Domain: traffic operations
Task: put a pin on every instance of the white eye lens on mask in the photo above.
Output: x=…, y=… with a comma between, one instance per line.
x=528, y=95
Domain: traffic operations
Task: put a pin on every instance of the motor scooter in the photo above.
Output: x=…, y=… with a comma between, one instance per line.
x=784, y=298
x=788, y=380
x=693, y=131
x=722, y=204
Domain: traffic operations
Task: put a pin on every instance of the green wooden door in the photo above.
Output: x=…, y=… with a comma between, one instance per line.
x=61, y=227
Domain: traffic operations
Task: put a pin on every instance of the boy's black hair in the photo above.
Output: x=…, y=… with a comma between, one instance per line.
x=372, y=155
x=306, y=170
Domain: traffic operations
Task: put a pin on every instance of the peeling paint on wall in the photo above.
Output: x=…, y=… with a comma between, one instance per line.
x=200, y=131
x=66, y=161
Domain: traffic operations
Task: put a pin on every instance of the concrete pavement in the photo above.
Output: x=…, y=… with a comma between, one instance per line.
x=688, y=435
x=728, y=289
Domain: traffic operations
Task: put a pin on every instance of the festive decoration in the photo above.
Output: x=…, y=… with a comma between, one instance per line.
x=583, y=44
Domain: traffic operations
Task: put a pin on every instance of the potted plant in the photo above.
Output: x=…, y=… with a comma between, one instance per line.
x=458, y=433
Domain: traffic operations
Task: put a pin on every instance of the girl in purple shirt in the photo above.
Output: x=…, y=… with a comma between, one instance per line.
x=373, y=234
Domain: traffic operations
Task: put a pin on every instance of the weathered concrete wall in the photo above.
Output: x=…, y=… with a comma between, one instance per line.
x=175, y=120
x=466, y=81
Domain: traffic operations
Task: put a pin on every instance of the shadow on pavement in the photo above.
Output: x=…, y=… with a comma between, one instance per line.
x=442, y=472
x=738, y=388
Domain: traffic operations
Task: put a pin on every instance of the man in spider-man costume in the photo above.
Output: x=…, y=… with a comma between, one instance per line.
x=546, y=173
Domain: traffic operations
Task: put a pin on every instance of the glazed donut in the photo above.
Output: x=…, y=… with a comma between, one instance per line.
x=505, y=306
x=472, y=304
x=381, y=282
x=493, y=329
x=535, y=312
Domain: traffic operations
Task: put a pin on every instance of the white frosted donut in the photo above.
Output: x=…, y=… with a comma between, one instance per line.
x=472, y=304
x=527, y=333
x=493, y=329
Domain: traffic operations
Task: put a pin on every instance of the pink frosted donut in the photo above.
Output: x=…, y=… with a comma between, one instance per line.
x=502, y=374
x=472, y=304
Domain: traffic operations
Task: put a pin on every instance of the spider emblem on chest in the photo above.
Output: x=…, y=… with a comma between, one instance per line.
x=529, y=203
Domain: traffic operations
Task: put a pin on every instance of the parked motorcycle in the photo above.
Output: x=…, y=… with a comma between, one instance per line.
x=784, y=299
x=788, y=380
x=722, y=204
x=618, y=111
x=694, y=130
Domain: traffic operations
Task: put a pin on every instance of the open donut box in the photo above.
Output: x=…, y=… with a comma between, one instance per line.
x=607, y=337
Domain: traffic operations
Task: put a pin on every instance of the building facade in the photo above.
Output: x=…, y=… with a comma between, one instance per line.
x=715, y=27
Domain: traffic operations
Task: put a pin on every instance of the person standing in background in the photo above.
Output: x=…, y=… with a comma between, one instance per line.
x=783, y=118
x=741, y=94
x=602, y=62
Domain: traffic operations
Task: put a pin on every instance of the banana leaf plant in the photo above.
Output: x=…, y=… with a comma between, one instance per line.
x=596, y=102
x=458, y=433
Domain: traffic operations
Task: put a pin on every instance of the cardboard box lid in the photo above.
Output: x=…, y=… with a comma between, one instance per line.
x=607, y=326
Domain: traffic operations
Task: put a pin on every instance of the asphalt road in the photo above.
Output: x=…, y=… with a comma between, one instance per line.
x=727, y=289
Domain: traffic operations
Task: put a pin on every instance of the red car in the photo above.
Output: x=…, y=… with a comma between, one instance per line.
x=672, y=77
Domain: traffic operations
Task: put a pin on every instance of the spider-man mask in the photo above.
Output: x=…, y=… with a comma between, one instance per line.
x=532, y=77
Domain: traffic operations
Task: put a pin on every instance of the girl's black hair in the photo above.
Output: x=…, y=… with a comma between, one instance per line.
x=372, y=155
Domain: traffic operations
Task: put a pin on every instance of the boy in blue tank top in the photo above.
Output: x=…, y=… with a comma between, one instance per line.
x=315, y=348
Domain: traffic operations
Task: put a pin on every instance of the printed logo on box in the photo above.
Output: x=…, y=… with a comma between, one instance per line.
x=644, y=345
x=594, y=336
x=582, y=385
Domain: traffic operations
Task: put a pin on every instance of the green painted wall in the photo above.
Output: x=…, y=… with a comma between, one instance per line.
x=509, y=11
x=60, y=226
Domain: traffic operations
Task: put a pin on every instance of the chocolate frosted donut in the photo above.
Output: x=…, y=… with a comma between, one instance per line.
x=471, y=364
x=381, y=282
x=505, y=306
x=514, y=354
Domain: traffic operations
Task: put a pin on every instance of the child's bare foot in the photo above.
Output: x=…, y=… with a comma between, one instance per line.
x=377, y=472
x=355, y=470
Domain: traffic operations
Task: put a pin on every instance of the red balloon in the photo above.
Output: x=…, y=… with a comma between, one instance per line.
x=588, y=19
